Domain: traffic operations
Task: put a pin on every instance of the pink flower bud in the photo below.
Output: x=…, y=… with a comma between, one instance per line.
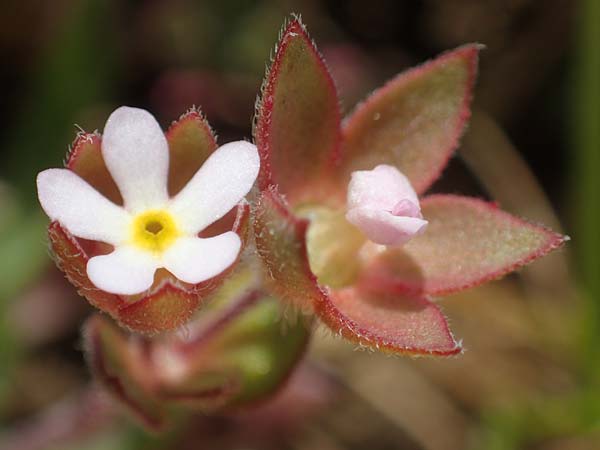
x=383, y=204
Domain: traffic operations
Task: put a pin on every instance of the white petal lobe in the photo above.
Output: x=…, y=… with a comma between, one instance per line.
x=126, y=271
x=224, y=179
x=194, y=260
x=136, y=153
x=83, y=211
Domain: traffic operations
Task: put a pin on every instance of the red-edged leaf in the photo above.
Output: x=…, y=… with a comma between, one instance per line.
x=191, y=141
x=281, y=244
x=297, y=127
x=85, y=159
x=415, y=121
x=466, y=243
x=388, y=321
x=119, y=363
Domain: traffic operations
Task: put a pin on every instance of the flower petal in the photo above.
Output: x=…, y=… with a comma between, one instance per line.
x=388, y=321
x=224, y=179
x=382, y=227
x=467, y=242
x=136, y=153
x=193, y=259
x=82, y=210
x=126, y=271
x=415, y=121
x=383, y=188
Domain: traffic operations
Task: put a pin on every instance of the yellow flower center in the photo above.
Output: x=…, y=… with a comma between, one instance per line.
x=154, y=230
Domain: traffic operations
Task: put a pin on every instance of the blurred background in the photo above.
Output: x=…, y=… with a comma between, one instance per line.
x=530, y=377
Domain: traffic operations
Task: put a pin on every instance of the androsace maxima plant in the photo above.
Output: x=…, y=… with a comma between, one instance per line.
x=154, y=230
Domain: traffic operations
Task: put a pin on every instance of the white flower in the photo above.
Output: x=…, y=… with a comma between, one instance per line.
x=384, y=206
x=151, y=230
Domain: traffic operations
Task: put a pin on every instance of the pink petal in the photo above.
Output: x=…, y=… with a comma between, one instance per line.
x=384, y=206
x=407, y=208
x=382, y=227
x=383, y=188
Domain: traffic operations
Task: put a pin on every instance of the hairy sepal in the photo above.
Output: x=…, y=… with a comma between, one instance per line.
x=467, y=242
x=71, y=258
x=191, y=142
x=388, y=320
x=281, y=244
x=415, y=121
x=297, y=124
x=85, y=159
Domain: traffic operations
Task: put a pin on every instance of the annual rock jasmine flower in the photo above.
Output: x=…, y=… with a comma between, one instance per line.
x=152, y=229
